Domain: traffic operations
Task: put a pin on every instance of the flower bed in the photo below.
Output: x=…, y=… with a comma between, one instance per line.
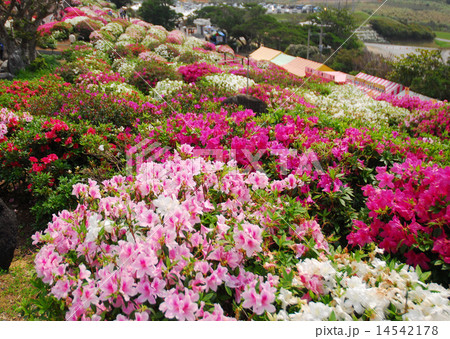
x=332, y=206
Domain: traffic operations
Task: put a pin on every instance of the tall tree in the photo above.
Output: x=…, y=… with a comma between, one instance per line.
x=19, y=21
x=121, y=3
x=338, y=26
x=158, y=12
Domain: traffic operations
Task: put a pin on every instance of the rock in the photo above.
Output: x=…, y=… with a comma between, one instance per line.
x=6, y=76
x=368, y=34
x=4, y=66
x=247, y=101
x=15, y=63
x=8, y=235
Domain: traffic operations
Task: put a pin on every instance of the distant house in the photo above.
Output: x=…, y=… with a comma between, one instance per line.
x=294, y=65
x=334, y=76
x=264, y=53
x=373, y=84
x=298, y=66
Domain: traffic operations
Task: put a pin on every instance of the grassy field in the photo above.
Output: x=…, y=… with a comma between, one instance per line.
x=15, y=285
x=430, y=13
x=360, y=17
x=443, y=35
x=442, y=44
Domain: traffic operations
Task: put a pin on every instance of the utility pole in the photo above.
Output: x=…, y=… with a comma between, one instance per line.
x=309, y=36
x=320, y=38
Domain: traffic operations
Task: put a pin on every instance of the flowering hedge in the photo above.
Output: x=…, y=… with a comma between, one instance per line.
x=348, y=101
x=411, y=103
x=196, y=70
x=409, y=211
x=277, y=97
x=197, y=240
x=41, y=158
x=349, y=288
x=186, y=239
x=435, y=122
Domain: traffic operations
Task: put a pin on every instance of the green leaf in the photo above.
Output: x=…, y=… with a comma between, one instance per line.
x=332, y=316
x=229, y=292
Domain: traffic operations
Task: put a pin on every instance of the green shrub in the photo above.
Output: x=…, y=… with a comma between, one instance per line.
x=43, y=158
x=46, y=42
x=395, y=30
x=148, y=73
x=86, y=27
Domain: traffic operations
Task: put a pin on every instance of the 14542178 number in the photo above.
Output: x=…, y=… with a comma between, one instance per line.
x=407, y=330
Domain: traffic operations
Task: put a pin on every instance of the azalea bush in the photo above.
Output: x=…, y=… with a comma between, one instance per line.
x=147, y=74
x=227, y=82
x=201, y=243
x=271, y=74
x=351, y=286
x=18, y=95
x=198, y=240
x=351, y=102
x=411, y=103
x=86, y=27
x=93, y=106
x=43, y=157
x=409, y=214
x=277, y=97
x=196, y=70
x=434, y=122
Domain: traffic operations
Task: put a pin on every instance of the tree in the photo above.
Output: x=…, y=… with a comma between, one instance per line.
x=251, y=25
x=254, y=25
x=158, y=12
x=338, y=26
x=121, y=3
x=425, y=73
x=223, y=16
x=355, y=61
x=19, y=21
x=283, y=34
x=302, y=51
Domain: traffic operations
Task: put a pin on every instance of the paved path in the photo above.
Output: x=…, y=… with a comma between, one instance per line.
x=440, y=39
x=391, y=51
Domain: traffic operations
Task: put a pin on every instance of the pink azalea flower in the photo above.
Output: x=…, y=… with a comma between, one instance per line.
x=259, y=302
x=217, y=315
x=249, y=239
x=180, y=306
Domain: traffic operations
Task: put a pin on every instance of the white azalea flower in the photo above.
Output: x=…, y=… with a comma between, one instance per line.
x=166, y=205
x=93, y=227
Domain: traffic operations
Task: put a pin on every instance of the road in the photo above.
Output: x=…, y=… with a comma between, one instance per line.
x=390, y=51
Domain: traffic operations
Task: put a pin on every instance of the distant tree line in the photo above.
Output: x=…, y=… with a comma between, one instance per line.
x=251, y=26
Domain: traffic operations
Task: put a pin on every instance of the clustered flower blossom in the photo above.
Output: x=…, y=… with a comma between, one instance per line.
x=9, y=119
x=410, y=205
x=158, y=253
x=196, y=70
x=411, y=103
x=350, y=102
x=366, y=289
x=277, y=97
x=229, y=82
